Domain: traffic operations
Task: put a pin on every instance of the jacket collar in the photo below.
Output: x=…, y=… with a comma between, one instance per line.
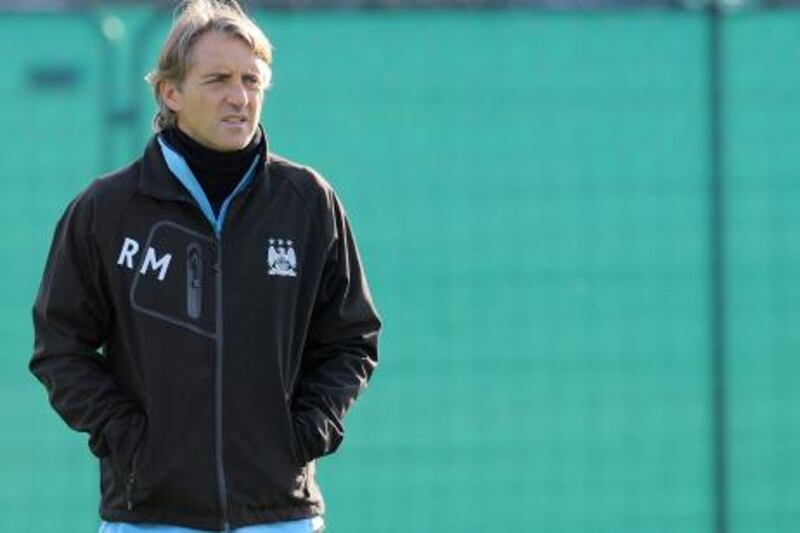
x=156, y=179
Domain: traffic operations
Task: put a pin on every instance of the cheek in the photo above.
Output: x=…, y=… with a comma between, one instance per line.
x=257, y=100
x=210, y=108
x=209, y=99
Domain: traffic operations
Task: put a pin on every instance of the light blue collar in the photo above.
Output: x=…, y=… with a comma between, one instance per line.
x=180, y=169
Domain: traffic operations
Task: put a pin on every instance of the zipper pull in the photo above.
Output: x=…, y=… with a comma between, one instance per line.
x=194, y=281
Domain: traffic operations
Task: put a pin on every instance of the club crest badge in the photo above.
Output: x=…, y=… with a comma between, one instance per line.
x=281, y=258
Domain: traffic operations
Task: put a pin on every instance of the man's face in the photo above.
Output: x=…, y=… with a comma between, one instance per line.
x=218, y=103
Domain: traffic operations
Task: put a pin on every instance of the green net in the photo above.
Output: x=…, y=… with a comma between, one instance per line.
x=530, y=193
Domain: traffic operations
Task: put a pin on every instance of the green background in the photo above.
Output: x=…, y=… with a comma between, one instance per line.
x=530, y=193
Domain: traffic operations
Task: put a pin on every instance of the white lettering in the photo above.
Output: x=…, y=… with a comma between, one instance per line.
x=129, y=249
x=153, y=263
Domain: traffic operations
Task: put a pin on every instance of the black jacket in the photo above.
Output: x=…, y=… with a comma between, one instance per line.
x=227, y=362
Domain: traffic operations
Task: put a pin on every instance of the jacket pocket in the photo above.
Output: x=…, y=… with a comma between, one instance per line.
x=124, y=437
x=294, y=442
x=126, y=456
x=130, y=482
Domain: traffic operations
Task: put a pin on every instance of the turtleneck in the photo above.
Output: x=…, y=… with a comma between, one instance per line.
x=217, y=172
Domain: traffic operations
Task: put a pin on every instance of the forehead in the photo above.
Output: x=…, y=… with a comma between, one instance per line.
x=216, y=50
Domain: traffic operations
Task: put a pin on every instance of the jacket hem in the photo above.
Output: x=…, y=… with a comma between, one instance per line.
x=212, y=522
x=275, y=514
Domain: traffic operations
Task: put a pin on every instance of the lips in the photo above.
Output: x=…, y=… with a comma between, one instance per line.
x=234, y=119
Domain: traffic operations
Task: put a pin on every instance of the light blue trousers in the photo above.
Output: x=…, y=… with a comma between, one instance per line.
x=307, y=525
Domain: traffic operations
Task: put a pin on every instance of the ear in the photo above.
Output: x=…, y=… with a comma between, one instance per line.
x=171, y=95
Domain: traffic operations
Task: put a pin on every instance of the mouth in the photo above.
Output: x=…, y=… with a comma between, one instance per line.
x=234, y=120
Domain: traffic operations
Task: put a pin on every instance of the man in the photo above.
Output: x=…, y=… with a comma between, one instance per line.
x=224, y=289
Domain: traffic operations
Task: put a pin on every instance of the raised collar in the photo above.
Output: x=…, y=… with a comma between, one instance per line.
x=156, y=179
x=181, y=170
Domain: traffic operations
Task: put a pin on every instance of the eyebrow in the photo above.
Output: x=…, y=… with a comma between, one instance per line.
x=220, y=74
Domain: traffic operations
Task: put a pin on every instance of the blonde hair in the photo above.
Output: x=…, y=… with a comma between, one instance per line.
x=195, y=18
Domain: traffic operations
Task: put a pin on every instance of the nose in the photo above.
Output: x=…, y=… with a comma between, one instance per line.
x=237, y=95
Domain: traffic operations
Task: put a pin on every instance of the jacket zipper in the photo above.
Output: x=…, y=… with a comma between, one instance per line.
x=194, y=281
x=221, y=482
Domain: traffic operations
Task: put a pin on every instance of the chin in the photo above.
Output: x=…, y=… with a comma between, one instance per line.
x=236, y=142
x=231, y=145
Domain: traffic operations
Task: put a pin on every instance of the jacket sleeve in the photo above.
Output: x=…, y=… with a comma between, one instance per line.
x=71, y=318
x=341, y=350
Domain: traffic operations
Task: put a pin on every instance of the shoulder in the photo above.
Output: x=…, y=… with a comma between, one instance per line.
x=120, y=183
x=105, y=197
x=306, y=181
x=316, y=193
